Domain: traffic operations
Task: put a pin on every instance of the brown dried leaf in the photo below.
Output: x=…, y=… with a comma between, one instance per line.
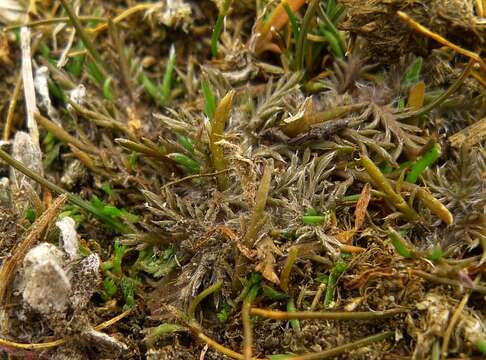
x=266, y=260
x=346, y=235
x=361, y=206
x=5, y=50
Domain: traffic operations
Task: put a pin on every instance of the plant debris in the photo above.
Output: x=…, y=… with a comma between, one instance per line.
x=243, y=179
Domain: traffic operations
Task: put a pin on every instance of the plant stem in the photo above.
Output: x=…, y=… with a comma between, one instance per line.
x=63, y=135
x=399, y=243
x=11, y=108
x=255, y=221
x=441, y=40
x=453, y=321
x=201, y=296
x=429, y=158
x=125, y=14
x=287, y=269
x=338, y=268
x=218, y=124
x=57, y=20
x=326, y=315
x=246, y=321
x=384, y=185
x=218, y=28
x=295, y=323
x=218, y=347
x=302, y=41
x=441, y=280
x=168, y=74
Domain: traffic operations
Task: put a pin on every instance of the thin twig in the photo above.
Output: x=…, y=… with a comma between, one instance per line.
x=479, y=78
x=125, y=14
x=452, y=324
x=317, y=297
x=112, y=321
x=326, y=315
x=11, y=108
x=52, y=21
x=63, y=135
x=201, y=296
x=423, y=30
x=246, y=321
x=441, y=280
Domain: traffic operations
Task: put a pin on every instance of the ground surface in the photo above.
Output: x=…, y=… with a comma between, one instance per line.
x=246, y=179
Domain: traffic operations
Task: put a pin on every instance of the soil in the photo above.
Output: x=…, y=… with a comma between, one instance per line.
x=243, y=179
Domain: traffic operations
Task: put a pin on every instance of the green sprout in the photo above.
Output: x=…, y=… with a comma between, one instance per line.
x=481, y=345
x=273, y=294
x=295, y=323
x=190, y=165
x=161, y=93
x=428, y=159
x=128, y=288
x=153, y=334
x=114, y=265
x=30, y=215
x=51, y=149
x=168, y=75
x=95, y=73
x=224, y=313
x=109, y=288
x=312, y=218
x=115, y=215
x=399, y=243
x=293, y=21
x=209, y=100
x=157, y=266
x=218, y=28
x=436, y=254
x=412, y=74
x=281, y=356
x=108, y=89
x=339, y=267
x=185, y=142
